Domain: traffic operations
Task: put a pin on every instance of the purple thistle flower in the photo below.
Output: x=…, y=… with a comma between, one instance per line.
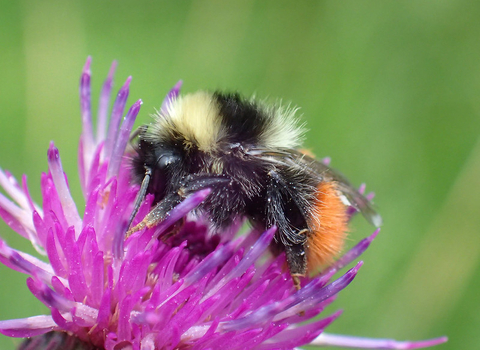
x=185, y=290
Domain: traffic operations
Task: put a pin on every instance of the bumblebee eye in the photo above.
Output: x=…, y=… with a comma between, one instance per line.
x=166, y=160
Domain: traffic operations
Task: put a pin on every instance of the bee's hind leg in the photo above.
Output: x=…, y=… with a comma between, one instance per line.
x=284, y=212
x=297, y=262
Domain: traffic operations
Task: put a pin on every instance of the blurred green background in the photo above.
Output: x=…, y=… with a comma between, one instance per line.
x=389, y=89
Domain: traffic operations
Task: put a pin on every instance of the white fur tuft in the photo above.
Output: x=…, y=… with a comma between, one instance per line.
x=285, y=130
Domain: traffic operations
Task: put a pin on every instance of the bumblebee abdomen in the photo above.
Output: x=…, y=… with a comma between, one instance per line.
x=328, y=227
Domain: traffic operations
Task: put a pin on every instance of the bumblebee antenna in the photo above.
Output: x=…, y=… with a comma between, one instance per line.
x=139, y=199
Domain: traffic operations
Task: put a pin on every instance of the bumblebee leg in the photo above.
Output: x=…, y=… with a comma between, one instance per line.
x=284, y=212
x=297, y=262
x=157, y=214
x=139, y=199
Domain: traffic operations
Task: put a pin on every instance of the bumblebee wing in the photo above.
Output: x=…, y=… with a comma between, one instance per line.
x=304, y=162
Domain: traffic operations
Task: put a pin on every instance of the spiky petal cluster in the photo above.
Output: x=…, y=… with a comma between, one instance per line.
x=190, y=290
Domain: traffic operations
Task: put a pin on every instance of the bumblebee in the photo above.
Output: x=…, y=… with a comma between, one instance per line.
x=247, y=152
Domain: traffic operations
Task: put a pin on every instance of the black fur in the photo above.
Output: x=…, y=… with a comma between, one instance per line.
x=244, y=120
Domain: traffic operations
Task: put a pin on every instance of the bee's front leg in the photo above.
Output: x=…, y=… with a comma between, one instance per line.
x=157, y=214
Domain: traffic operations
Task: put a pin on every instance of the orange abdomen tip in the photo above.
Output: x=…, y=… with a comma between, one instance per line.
x=328, y=227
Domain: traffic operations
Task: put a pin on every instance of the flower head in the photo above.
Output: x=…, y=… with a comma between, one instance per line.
x=155, y=290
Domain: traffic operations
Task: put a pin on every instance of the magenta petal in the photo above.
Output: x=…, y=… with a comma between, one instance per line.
x=113, y=235
x=123, y=332
x=40, y=227
x=60, y=236
x=252, y=255
x=104, y=104
x=47, y=296
x=11, y=187
x=208, y=264
x=60, y=288
x=57, y=262
x=227, y=268
x=267, y=333
x=171, y=96
x=310, y=291
x=27, y=193
x=82, y=167
x=116, y=116
x=91, y=207
x=12, y=221
x=181, y=211
x=133, y=274
x=169, y=306
x=165, y=267
x=260, y=246
x=104, y=310
x=94, y=172
x=187, y=316
x=297, y=336
x=352, y=254
x=27, y=327
x=52, y=207
x=236, y=341
x=202, y=341
x=249, y=298
x=24, y=263
x=66, y=324
x=368, y=343
x=328, y=291
x=228, y=293
x=89, y=251
x=66, y=200
x=96, y=286
x=85, y=105
x=122, y=139
x=111, y=206
x=76, y=277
